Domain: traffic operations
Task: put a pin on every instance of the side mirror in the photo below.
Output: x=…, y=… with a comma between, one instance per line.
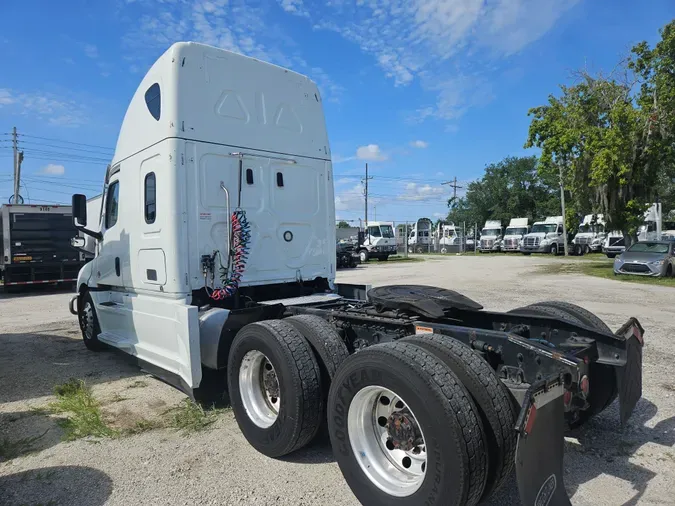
x=79, y=210
x=77, y=242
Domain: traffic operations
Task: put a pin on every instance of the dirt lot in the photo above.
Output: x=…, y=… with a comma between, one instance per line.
x=40, y=348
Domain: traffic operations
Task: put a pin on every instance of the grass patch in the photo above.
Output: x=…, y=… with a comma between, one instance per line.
x=143, y=425
x=190, y=417
x=601, y=270
x=83, y=418
x=11, y=449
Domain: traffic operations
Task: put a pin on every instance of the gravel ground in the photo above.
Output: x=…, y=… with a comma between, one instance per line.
x=40, y=347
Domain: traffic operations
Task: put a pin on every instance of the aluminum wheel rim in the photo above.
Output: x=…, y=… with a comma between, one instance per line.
x=259, y=389
x=88, y=321
x=397, y=472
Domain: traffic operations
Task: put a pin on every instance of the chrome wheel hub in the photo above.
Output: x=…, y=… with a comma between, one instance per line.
x=88, y=321
x=387, y=441
x=259, y=389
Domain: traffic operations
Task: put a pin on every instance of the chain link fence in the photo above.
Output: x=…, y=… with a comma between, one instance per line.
x=441, y=240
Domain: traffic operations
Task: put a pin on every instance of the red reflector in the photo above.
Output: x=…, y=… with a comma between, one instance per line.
x=530, y=419
x=584, y=385
x=567, y=397
x=638, y=334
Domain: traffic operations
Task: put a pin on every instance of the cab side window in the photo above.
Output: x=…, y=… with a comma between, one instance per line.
x=150, y=198
x=112, y=205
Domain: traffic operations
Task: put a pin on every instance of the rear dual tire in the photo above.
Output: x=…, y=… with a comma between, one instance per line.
x=453, y=465
x=274, y=382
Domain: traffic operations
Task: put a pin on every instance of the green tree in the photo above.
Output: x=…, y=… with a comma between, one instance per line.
x=511, y=188
x=343, y=224
x=611, y=137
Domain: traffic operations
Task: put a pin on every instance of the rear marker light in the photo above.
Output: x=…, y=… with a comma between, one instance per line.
x=584, y=385
x=567, y=397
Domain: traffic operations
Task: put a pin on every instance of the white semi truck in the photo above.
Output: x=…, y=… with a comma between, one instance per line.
x=379, y=241
x=513, y=236
x=591, y=235
x=421, y=236
x=447, y=237
x=491, y=236
x=215, y=269
x=650, y=230
x=545, y=237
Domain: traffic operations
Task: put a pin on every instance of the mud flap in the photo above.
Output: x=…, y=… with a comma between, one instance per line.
x=539, y=454
x=629, y=376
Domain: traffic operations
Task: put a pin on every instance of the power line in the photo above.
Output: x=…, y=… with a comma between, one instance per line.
x=67, y=142
x=30, y=143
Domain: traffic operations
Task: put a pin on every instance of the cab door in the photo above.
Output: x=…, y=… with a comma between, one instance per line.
x=114, y=247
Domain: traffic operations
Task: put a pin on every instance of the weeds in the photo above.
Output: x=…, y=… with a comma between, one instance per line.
x=83, y=414
x=600, y=270
x=143, y=425
x=191, y=417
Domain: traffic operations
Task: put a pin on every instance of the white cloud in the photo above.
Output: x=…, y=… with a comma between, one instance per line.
x=350, y=200
x=419, y=144
x=440, y=215
x=91, y=51
x=370, y=153
x=54, y=110
x=424, y=192
x=6, y=97
x=294, y=7
x=236, y=25
x=53, y=170
x=433, y=41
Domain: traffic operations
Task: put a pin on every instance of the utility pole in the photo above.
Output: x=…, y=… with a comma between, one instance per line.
x=18, y=158
x=454, y=186
x=365, y=193
x=15, y=149
x=562, y=203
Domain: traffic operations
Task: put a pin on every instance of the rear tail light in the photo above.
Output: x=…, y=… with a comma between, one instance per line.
x=567, y=397
x=584, y=384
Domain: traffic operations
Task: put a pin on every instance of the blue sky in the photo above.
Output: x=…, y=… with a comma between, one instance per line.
x=422, y=90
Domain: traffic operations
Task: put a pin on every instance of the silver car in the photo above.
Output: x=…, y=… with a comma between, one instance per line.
x=647, y=258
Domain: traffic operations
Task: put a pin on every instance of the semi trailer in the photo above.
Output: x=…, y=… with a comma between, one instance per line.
x=215, y=269
x=35, y=241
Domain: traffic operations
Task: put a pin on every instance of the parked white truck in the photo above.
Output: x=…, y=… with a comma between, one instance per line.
x=421, y=236
x=650, y=230
x=447, y=237
x=513, y=236
x=215, y=269
x=591, y=235
x=545, y=237
x=379, y=241
x=491, y=236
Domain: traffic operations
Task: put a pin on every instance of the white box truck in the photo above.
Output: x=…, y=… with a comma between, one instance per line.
x=513, y=236
x=215, y=269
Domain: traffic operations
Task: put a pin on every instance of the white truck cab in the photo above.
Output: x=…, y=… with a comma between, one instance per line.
x=206, y=133
x=447, y=237
x=379, y=241
x=491, y=236
x=513, y=236
x=651, y=229
x=591, y=235
x=421, y=235
x=545, y=237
